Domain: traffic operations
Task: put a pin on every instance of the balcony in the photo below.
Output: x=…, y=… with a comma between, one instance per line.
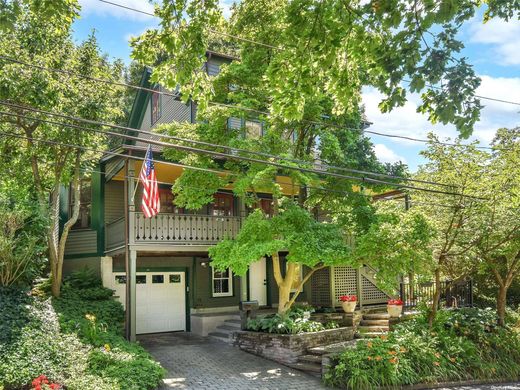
x=175, y=229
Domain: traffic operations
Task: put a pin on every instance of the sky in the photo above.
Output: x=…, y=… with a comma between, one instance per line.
x=492, y=48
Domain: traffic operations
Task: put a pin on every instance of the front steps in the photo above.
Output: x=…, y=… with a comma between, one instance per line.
x=373, y=325
x=313, y=361
x=224, y=332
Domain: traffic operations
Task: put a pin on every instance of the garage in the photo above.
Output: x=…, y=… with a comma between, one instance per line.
x=160, y=300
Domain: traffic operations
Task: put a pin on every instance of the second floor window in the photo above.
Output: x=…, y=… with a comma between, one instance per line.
x=84, y=218
x=167, y=205
x=156, y=106
x=223, y=205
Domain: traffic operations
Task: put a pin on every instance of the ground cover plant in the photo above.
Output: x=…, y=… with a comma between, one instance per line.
x=294, y=321
x=75, y=340
x=461, y=345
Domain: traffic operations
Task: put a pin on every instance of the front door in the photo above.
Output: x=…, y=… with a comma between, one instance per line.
x=258, y=282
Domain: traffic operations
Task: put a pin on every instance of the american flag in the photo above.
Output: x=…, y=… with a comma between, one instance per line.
x=150, y=203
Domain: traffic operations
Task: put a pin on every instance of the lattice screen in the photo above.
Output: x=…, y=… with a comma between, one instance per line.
x=345, y=282
x=371, y=294
x=320, y=288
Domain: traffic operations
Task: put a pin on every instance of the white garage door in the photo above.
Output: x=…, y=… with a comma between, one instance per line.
x=160, y=301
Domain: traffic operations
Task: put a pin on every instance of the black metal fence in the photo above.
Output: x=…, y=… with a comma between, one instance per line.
x=453, y=293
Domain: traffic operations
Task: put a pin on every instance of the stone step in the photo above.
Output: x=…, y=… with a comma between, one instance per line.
x=373, y=328
x=229, y=328
x=369, y=335
x=332, y=348
x=310, y=359
x=238, y=322
x=374, y=322
x=225, y=337
x=307, y=367
x=376, y=316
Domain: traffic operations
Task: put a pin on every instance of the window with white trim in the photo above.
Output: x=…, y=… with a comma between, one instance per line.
x=221, y=282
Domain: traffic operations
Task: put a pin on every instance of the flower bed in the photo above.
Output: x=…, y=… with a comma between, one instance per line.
x=461, y=345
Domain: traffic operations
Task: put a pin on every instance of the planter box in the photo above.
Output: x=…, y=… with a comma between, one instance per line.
x=286, y=348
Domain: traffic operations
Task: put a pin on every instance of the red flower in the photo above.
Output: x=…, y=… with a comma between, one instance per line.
x=348, y=298
x=396, y=302
x=54, y=386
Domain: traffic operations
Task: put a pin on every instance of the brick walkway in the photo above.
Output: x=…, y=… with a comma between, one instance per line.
x=195, y=362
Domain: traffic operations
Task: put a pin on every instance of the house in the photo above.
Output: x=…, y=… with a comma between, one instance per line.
x=176, y=287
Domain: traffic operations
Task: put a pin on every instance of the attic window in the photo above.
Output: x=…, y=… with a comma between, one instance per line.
x=253, y=129
x=156, y=108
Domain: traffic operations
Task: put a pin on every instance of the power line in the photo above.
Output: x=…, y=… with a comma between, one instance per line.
x=281, y=48
x=180, y=139
x=314, y=164
x=241, y=108
x=189, y=167
x=224, y=155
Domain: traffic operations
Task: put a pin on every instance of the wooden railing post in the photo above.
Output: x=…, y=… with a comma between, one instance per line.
x=359, y=287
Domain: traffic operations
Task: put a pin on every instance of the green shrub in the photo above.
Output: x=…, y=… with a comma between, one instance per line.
x=76, y=340
x=293, y=322
x=31, y=344
x=462, y=344
x=89, y=310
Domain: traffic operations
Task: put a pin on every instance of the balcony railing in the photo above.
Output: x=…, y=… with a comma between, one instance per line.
x=184, y=229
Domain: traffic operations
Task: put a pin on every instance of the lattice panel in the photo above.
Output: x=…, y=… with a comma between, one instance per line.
x=345, y=282
x=371, y=293
x=320, y=288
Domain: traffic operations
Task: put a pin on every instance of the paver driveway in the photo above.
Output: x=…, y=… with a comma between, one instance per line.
x=195, y=362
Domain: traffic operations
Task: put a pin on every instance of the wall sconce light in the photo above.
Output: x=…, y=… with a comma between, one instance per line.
x=203, y=264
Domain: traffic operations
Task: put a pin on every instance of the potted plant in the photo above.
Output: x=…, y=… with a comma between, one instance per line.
x=395, y=307
x=348, y=302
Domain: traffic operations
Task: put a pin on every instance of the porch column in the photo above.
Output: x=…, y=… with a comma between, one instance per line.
x=131, y=283
x=106, y=271
x=130, y=255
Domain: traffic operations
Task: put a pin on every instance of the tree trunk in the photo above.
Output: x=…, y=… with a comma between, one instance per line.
x=501, y=304
x=57, y=245
x=436, y=297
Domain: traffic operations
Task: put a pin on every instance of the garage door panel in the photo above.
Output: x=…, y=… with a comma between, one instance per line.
x=160, y=301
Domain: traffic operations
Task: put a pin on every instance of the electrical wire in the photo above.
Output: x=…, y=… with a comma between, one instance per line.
x=227, y=155
x=240, y=108
x=316, y=165
x=280, y=48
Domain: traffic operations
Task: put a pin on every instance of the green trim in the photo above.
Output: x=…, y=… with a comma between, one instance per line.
x=98, y=207
x=194, y=280
x=153, y=269
x=187, y=292
x=78, y=256
x=64, y=207
x=248, y=281
x=139, y=106
x=269, y=272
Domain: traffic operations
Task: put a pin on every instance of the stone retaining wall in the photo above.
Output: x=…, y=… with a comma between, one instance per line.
x=286, y=348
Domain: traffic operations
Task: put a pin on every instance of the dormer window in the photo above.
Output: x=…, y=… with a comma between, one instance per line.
x=253, y=129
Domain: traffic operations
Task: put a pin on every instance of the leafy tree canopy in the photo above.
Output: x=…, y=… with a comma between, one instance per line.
x=315, y=51
x=39, y=168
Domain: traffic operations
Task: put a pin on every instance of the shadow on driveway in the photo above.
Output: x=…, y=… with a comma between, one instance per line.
x=195, y=362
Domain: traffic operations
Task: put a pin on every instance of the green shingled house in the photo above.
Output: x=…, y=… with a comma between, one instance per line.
x=176, y=288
